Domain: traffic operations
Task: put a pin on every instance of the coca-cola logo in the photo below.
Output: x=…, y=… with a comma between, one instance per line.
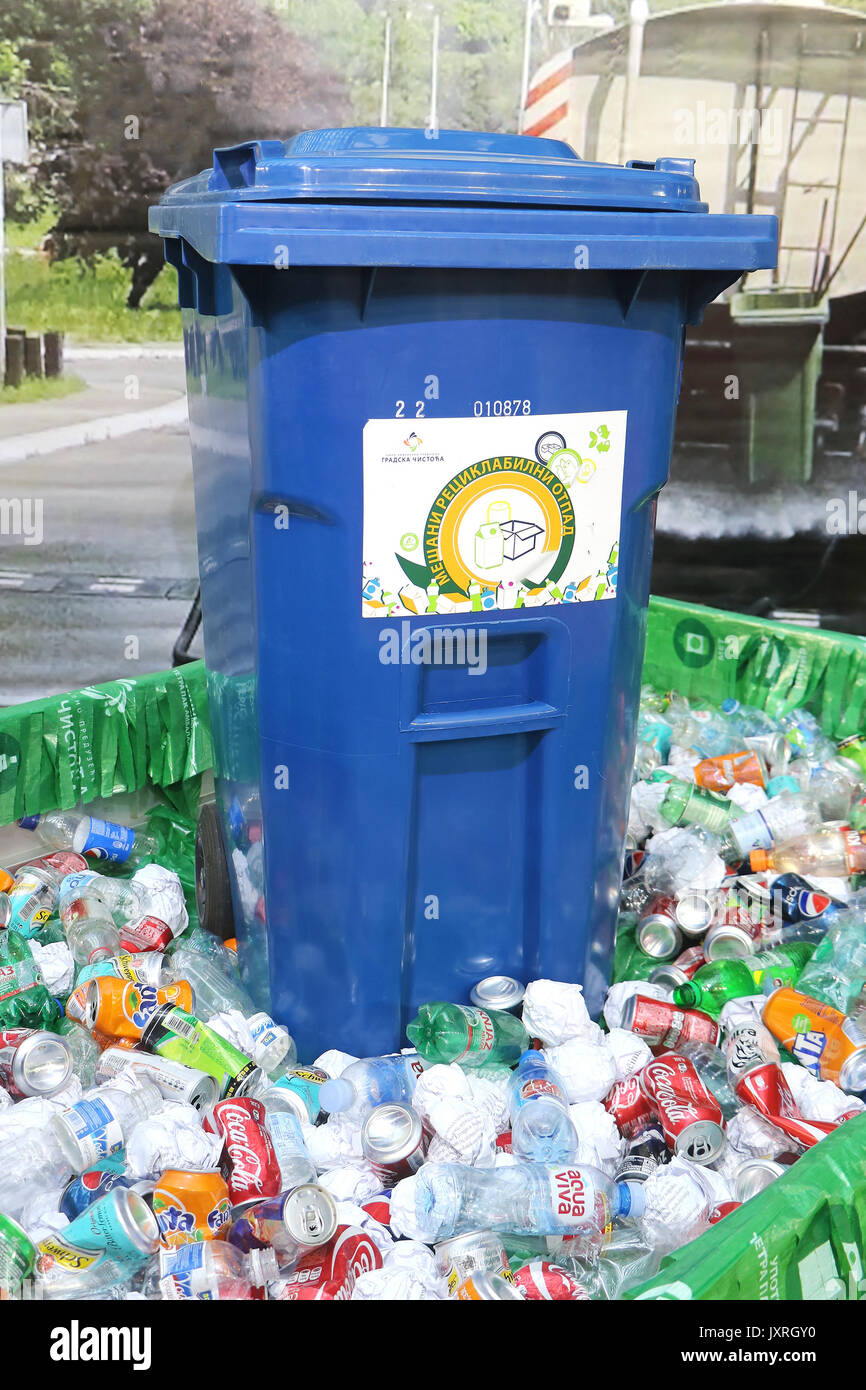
x=665, y=1080
x=239, y=1123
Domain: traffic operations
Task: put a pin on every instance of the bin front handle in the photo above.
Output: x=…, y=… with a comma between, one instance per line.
x=541, y=645
x=487, y=722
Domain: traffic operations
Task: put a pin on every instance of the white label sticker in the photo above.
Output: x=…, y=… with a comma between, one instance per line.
x=471, y=514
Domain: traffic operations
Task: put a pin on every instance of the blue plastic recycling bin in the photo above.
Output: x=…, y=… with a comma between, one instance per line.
x=432, y=381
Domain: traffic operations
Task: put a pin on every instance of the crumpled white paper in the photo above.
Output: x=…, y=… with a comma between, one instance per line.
x=818, y=1100
x=171, y=1138
x=463, y=1130
x=409, y=1271
x=165, y=898
x=587, y=1070
x=334, y=1143
x=677, y=1204
x=353, y=1182
x=56, y=964
x=555, y=1012
x=748, y=1135
x=630, y=1053
x=489, y=1090
x=747, y=796
x=41, y=1216
x=599, y=1141
x=231, y=1025
x=334, y=1062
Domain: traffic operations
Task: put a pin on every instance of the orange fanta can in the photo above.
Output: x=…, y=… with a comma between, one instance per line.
x=830, y=1045
x=191, y=1206
x=121, y=1008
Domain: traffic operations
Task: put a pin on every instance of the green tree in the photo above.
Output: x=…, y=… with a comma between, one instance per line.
x=132, y=95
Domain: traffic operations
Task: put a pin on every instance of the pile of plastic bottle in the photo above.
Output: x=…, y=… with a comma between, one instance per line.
x=160, y=1140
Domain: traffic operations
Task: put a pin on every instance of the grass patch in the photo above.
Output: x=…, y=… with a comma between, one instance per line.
x=34, y=388
x=86, y=303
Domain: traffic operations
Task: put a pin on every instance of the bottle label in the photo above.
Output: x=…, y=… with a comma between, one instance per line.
x=752, y=832
x=189, y=1276
x=855, y=850
x=481, y=1031
x=106, y=840
x=9, y=982
x=307, y=1085
x=97, y=1131
x=54, y=1251
x=285, y=1131
x=569, y=1198
x=540, y=1086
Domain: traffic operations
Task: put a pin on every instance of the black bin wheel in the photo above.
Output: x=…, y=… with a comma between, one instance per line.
x=213, y=894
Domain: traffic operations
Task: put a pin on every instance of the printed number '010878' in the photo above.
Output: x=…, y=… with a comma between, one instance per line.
x=502, y=408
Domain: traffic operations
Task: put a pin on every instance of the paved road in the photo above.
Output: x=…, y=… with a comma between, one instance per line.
x=117, y=510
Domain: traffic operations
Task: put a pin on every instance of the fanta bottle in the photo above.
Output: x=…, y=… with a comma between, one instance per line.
x=830, y=1045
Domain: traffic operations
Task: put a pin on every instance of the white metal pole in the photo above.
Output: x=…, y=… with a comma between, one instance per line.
x=527, y=58
x=434, y=76
x=386, y=73
x=638, y=16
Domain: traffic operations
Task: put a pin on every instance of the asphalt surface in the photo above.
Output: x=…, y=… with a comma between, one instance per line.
x=117, y=554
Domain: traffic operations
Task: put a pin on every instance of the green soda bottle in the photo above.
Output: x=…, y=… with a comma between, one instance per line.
x=17, y=1258
x=716, y=983
x=24, y=999
x=687, y=804
x=473, y=1037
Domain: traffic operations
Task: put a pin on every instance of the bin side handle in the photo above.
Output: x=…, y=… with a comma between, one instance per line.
x=234, y=166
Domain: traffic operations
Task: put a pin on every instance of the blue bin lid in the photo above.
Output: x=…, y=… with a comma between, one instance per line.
x=371, y=164
x=373, y=197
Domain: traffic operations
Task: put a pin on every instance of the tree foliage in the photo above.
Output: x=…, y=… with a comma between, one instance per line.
x=129, y=96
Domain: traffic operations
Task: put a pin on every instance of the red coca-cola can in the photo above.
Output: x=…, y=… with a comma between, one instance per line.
x=629, y=1106
x=691, y=1117
x=722, y=1210
x=251, y=1168
x=766, y=1090
x=663, y=1024
x=330, y=1272
x=146, y=934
